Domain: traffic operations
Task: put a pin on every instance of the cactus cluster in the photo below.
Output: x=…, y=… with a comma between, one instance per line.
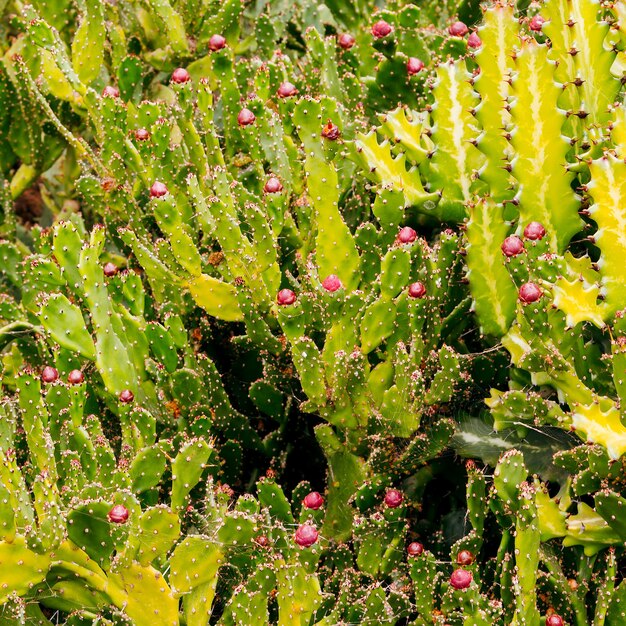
x=312, y=314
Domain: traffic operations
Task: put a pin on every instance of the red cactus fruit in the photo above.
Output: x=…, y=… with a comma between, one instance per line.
x=381, y=29
x=461, y=579
x=393, y=498
x=273, y=185
x=458, y=29
x=75, y=377
x=109, y=269
x=536, y=24
x=180, y=76
x=313, y=500
x=141, y=134
x=415, y=548
x=534, y=231
x=286, y=90
x=417, y=290
x=512, y=246
x=331, y=131
x=407, y=235
x=529, y=293
x=285, y=297
x=332, y=283
x=474, y=41
x=49, y=374
x=111, y=91
x=306, y=535
x=118, y=514
x=346, y=41
x=158, y=190
x=414, y=66
x=262, y=541
x=245, y=117
x=217, y=42
x=465, y=557
x=126, y=396
x=554, y=620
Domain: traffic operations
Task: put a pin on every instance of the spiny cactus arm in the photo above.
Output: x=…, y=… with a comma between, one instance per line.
x=494, y=58
x=578, y=44
x=608, y=189
x=64, y=321
x=299, y=594
x=618, y=129
x=20, y=568
x=89, y=41
x=336, y=251
x=456, y=159
x=216, y=297
x=187, y=469
x=545, y=194
x=527, y=543
x=112, y=356
x=491, y=286
x=347, y=472
x=171, y=22
x=35, y=421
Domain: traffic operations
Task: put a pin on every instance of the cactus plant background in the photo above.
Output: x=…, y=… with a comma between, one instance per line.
x=312, y=314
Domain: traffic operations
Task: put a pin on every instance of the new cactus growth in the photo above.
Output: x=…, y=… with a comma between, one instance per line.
x=346, y=41
x=217, y=42
x=381, y=29
x=313, y=500
x=306, y=535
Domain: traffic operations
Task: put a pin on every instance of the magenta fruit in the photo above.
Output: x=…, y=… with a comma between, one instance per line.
x=554, y=620
x=306, y=535
x=286, y=90
x=458, y=29
x=407, y=235
x=415, y=548
x=110, y=91
x=331, y=131
x=126, y=396
x=529, y=293
x=393, y=498
x=461, y=579
x=217, y=42
x=534, y=231
x=417, y=290
x=118, y=514
x=141, y=134
x=381, y=29
x=75, y=377
x=465, y=557
x=273, y=185
x=346, y=41
x=313, y=500
x=158, y=190
x=49, y=374
x=474, y=41
x=180, y=76
x=332, y=283
x=536, y=24
x=245, y=117
x=512, y=246
x=285, y=297
x=109, y=269
x=414, y=66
